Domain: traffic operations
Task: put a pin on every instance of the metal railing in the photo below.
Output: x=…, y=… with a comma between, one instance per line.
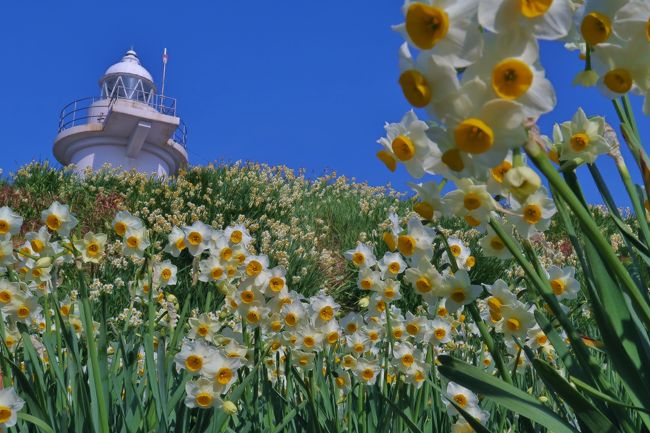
x=95, y=110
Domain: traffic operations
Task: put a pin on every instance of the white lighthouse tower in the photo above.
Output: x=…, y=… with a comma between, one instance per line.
x=129, y=125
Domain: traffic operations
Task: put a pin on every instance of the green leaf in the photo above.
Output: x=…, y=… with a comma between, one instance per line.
x=586, y=412
x=36, y=421
x=397, y=410
x=502, y=393
x=595, y=393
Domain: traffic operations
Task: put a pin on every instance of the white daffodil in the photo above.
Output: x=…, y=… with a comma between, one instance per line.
x=222, y=370
x=542, y=19
x=631, y=23
x=496, y=176
x=10, y=222
x=462, y=426
x=22, y=308
x=123, y=221
x=204, y=326
x=58, y=218
x=459, y=252
x=39, y=240
x=427, y=80
x=212, y=269
x=10, y=405
x=460, y=290
x=408, y=143
x=91, y=247
x=417, y=326
x=443, y=28
x=238, y=235
x=536, y=338
x=583, y=137
x=597, y=20
x=390, y=290
x=517, y=319
x=7, y=256
x=323, y=308
x=362, y=256
x=405, y=354
x=563, y=283
x=470, y=201
x=201, y=393
x=533, y=215
x=426, y=280
x=440, y=332
x=197, y=237
x=392, y=231
x=367, y=371
x=136, y=240
x=368, y=279
x=417, y=242
x=460, y=395
x=194, y=356
x=276, y=281
x=392, y=264
x=512, y=68
x=500, y=296
x=493, y=245
x=164, y=273
x=480, y=132
x=521, y=182
x=8, y=291
x=429, y=205
x=175, y=242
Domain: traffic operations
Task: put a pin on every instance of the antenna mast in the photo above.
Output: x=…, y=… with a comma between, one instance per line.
x=164, y=60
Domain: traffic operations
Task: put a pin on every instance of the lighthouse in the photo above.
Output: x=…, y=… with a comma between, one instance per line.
x=129, y=125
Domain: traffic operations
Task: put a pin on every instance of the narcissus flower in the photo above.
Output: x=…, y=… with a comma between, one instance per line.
x=582, y=137
x=417, y=241
x=392, y=264
x=429, y=205
x=542, y=19
x=164, y=273
x=493, y=246
x=517, y=319
x=367, y=371
x=136, y=240
x=460, y=395
x=521, y=182
x=10, y=405
x=59, y=219
x=91, y=247
x=123, y=221
x=460, y=291
x=563, y=283
x=597, y=20
x=408, y=143
x=10, y=222
x=197, y=237
x=443, y=28
x=425, y=280
x=470, y=201
x=176, y=242
x=362, y=256
x=534, y=214
x=440, y=332
x=222, y=370
x=194, y=356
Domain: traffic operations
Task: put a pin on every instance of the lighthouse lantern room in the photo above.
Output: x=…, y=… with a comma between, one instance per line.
x=129, y=125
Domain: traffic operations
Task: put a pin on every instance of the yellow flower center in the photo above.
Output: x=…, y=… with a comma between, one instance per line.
x=204, y=399
x=394, y=268
x=4, y=227
x=618, y=80
x=500, y=171
x=226, y=254
x=419, y=376
x=367, y=374
x=194, y=363
x=403, y=148
x=340, y=381
x=595, y=28
x=53, y=222
x=424, y=209
x=496, y=243
x=64, y=310
x=513, y=324
x=247, y=296
x=406, y=245
x=412, y=328
x=252, y=316
x=359, y=348
x=373, y=335
x=132, y=241
x=290, y=319
x=224, y=375
x=180, y=244
x=472, y=201
x=332, y=337
x=542, y=339
x=535, y=8
x=120, y=228
x=532, y=214
x=236, y=236
x=387, y=158
x=494, y=303
x=440, y=333
x=455, y=250
x=458, y=295
x=407, y=360
x=309, y=342
x=558, y=286
x=511, y=78
x=473, y=136
x=166, y=274
x=470, y=262
x=203, y=330
x=326, y=313
x=415, y=88
x=254, y=268
x=194, y=238
x=423, y=285
x=452, y=159
x=579, y=142
x=276, y=284
x=23, y=312
x=358, y=258
x=460, y=400
x=351, y=328
x=471, y=221
x=426, y=25
x=5, y=296
x=389, y=293
x=303, y=361
x=381, y=306
x=5, y=414
x=216, y=273
x=366, y=283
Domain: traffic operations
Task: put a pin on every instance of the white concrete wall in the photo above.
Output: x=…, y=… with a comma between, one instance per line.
x=97, y=155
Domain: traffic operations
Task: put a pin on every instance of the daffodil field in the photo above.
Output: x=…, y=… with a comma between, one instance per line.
x=247, y=298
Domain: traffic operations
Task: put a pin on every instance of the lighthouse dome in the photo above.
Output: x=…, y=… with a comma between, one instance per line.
x=128, y=79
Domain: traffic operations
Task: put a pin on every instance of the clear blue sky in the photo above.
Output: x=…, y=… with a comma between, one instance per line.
x=303, y=83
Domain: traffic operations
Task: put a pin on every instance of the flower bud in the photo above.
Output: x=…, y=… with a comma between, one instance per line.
x=44, y=262
x=229, y=407
x=364, y=302
x=586, y=79
x=522, y=182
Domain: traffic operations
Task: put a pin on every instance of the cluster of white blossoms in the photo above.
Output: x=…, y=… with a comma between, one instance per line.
x=474, y=68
